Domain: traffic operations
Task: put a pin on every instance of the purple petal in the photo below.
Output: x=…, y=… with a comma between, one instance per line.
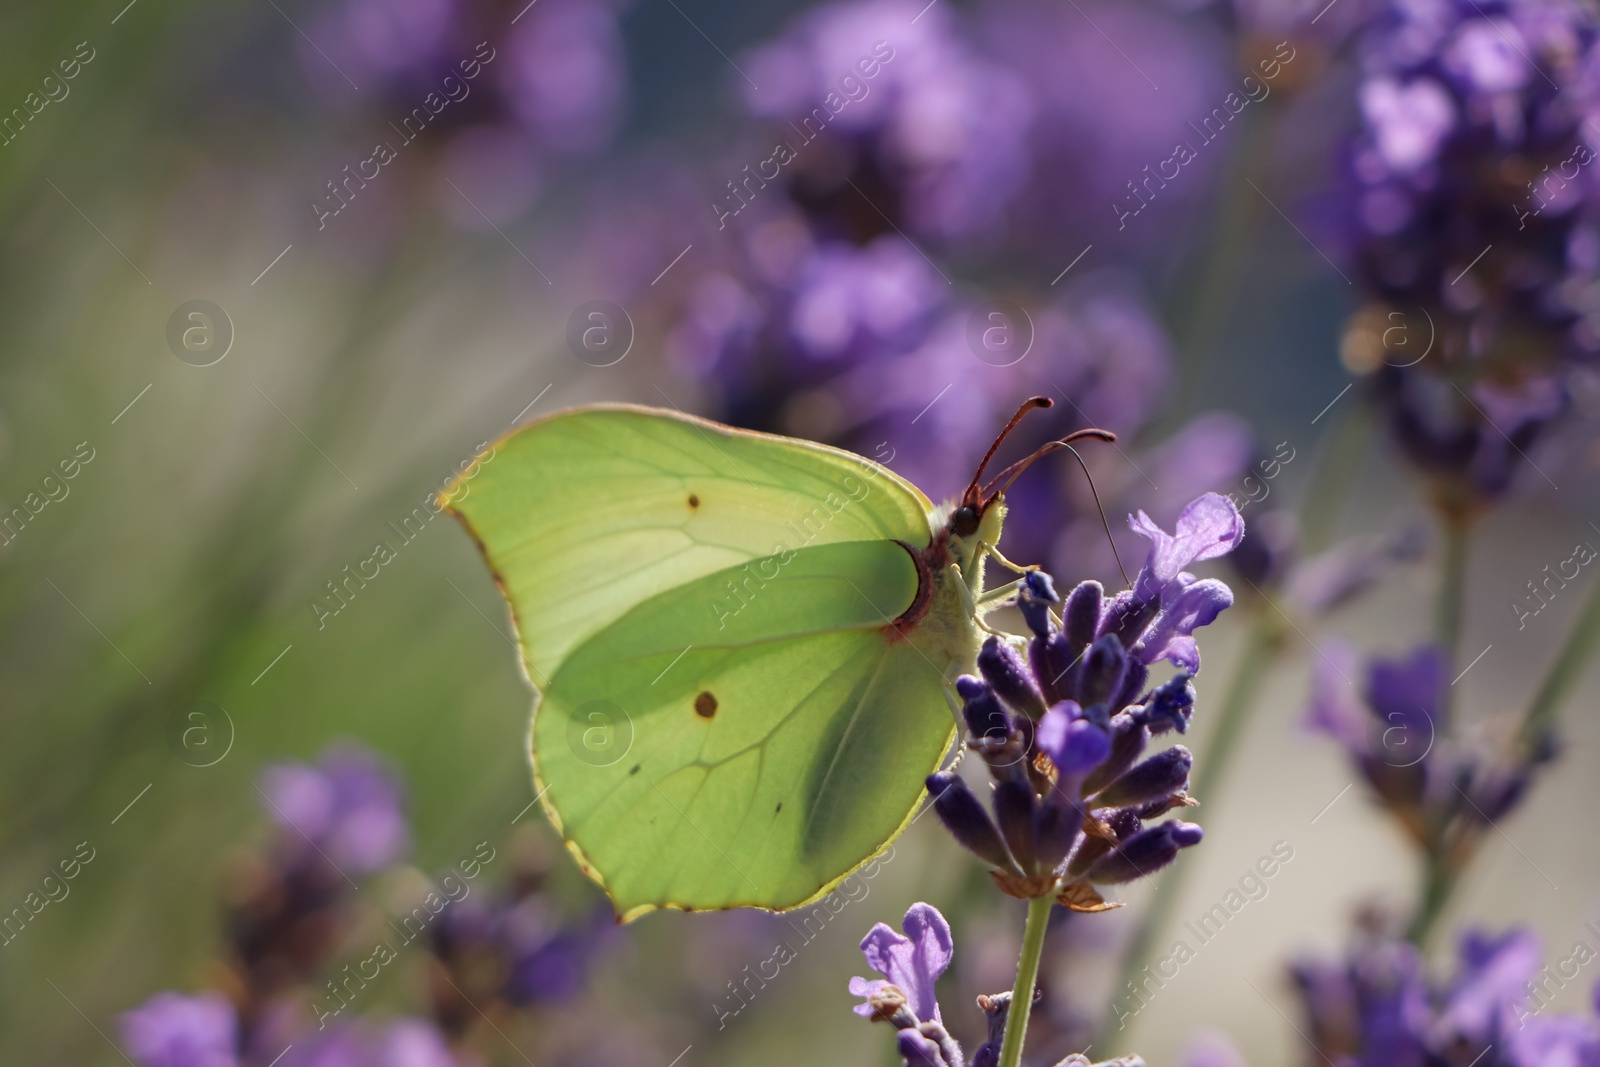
x=1074, y=744
x=1332, y=710
x=414, y=1043
x=1405, y=692
x=1494, y=977
x=885, y=949
x=299, y=797
x=1208, y=527
x=932, y=948
x=918, y=1051
x=1196, y=605
x=1554, y=1041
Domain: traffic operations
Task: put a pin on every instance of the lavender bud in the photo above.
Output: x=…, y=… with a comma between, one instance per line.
x=1052, y=661
x=995, y=1008
x=948, y=1048
x=1074, y=743
x=1034, y=598
x=1170, y=707
x=1132, y=684
x=1494, y=795
x=1129, y=616
x=1014, y=805
x=1143, y=854
x=1004, y=670
x=1056, y=826
x=1088, y=852
x=918, y=1051
x=963, y=815
x=1128, y=739
x=1104, y=667
x=985, y=717
x=1080, y=616
x=1156, y=778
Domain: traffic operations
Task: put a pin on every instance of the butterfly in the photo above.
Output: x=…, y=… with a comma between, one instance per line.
x=742, y=645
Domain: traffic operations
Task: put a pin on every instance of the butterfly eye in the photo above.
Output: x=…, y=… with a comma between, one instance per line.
x=964, y=522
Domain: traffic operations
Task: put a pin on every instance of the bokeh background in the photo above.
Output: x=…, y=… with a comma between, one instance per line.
x=975, y=222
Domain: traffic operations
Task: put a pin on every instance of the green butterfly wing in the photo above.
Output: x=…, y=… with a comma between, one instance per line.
x=750, y=763
x=726, y=716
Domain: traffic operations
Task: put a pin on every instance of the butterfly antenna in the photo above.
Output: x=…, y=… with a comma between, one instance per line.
x=1113, y=541
x=974, y=494
x=1013, y=472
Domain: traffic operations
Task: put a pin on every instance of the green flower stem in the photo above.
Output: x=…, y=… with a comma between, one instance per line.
x=1439, y=881
x=1452, y=585
x=1262, y=643
x=1569, y=665
x=1027, y=974
x=1201, y=319
x=1336, y=468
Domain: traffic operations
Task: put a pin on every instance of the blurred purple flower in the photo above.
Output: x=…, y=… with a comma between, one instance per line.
x=1492, y=983
x=403, y=1042
x=937, y=119
x=564, y=74
x=1211, y=1049
x=1473, y=201
x=411, y=1043
x=1377, y=1008
x=346, y=805
x=175, y=1030
x=1441, y=790
x=514, y=947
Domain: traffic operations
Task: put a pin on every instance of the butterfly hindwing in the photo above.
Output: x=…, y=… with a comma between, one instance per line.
x=697, y=759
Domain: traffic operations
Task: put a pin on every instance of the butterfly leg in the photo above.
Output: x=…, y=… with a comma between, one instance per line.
x=999, y=592
x=994, y=553
x=970, y=601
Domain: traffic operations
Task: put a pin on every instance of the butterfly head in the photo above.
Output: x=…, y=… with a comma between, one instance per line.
x=981, y=511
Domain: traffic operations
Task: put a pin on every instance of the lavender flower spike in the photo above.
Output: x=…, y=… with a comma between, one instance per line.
x=911, y=963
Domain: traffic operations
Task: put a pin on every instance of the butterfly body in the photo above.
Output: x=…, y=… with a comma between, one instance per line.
x=741, y=646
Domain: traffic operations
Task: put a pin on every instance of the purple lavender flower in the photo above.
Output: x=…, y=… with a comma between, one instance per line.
x=411, y=1043
x=1442, y=791
x=336, y=819
x=403, y=1042
x=1212, y=1049
x=513, y=947
x=912, y=962
x=1378, y=1008
x=347, y=806
x=1075, y=696
x=1555, y=1041
x=935, y=119
x=1167, y=604
x=564, y=75
x=176, y=1030
x=1475, y=152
